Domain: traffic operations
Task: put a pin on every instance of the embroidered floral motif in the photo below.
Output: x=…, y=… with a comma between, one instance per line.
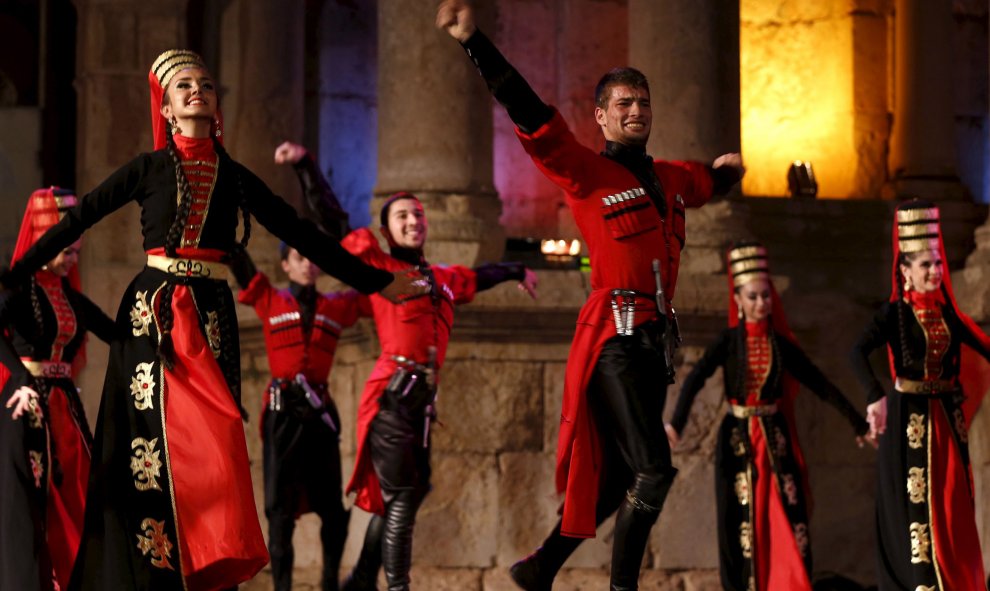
x=801, y=537
x=915, y=430
x=742, y=488
x=143, y=386
x=920, y=543
x=141, y=315
x=790, y=489
x=780, y=442
x=916, y=485
x=35, y=416
x=213, y=333
x=145, y=464
x=737, y=443
x=746, y=539
x=960, y=423
x=156, y=542
x=37, y=467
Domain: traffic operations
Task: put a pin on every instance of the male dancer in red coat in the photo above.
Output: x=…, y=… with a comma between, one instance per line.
x=612, y=453
x=392, y=467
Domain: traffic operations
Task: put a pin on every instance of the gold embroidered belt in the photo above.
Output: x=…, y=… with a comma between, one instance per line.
x=929, y=387
x=744, y=412
x=48, y=369
x=188, y=267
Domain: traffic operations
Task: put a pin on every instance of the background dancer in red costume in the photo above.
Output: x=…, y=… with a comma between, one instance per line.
x=761, y=482
x=170, y=502
x=46, y=441
x=612, y=453
x=926, y=522
x=392, y=467
x=300, y=425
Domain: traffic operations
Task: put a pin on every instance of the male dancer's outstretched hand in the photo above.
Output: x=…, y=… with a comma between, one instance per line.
x=406, y=284
x=732, y=160
x=529, y=283
x=289, y=153
x=457, y=18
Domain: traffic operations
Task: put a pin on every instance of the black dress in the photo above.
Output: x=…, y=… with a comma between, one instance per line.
x=46, y=452
x=926, y=525
x=170, y=503
x=760, y=476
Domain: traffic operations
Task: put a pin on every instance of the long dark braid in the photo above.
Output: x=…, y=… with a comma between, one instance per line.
x=743, y=358
x=39, y=319
x=776, y=359
x=901, y=305
x=166, y=350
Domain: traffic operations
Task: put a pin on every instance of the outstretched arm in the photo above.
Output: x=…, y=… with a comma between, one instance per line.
x=509, y=88
x=25, y=396
x=492, y=274
x=713, y=358
x=322, y=204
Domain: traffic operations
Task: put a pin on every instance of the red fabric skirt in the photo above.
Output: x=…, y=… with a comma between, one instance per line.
x=220, y=540
x=66, y=502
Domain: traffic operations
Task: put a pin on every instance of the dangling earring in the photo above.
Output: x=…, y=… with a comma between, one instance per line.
x=174, y=123
x=216, y=125
x=740, y=313
x=908, y=285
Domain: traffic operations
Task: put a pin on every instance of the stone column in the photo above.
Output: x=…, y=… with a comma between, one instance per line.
x=262, y=83
x=922, y=149
x=117, y=43
x=435, y=132
x=690, y=53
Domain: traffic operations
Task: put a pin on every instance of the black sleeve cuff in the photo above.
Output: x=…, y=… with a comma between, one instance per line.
x=723, y=178
x=488, y=276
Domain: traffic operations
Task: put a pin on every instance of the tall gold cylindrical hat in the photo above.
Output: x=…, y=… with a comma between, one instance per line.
x=748, y=262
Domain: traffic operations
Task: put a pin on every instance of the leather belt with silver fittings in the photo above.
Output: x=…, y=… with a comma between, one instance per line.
x=624, y=309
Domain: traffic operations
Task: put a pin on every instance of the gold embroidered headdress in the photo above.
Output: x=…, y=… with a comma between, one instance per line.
x=918, y=229
x=748, y=262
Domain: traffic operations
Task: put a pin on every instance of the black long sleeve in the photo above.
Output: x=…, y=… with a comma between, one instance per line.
x=322, y=204
x=97, y=321
x=874, y=336
x=282, y=220
x=798, y=365
x=507, y=85
x=490, y=275
x=19, y=375
x=715, y=356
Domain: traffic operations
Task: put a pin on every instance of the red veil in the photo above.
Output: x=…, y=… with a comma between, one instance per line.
x=746, y=261
x=918, y=221
x=45, y=208
x=165, y=67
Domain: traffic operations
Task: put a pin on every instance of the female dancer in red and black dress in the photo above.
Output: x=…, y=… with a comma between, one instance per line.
x=46, y=440
x=926, y=525
x=760, y=476
x=170, y=503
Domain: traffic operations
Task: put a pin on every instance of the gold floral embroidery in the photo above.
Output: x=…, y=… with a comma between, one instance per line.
x=915, y=430
x=790, y=489
x=213, y=333
x=143, y=386
x=155, y=541
x=737, y=443
x=746, y=539
x=141, y=315
x=35, y=416
x=37, y=467
x=145, y=464
x=916, y=484
x=742, y=488
x=801, y=537
x=780, y=442
x=920, y=543
x=960, y=421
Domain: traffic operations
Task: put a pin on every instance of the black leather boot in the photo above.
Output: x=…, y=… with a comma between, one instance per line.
x=280, y=528
x=364, y=576
x=400, y=517
x=333, y=535
x=537, y=571
x=636, y=516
